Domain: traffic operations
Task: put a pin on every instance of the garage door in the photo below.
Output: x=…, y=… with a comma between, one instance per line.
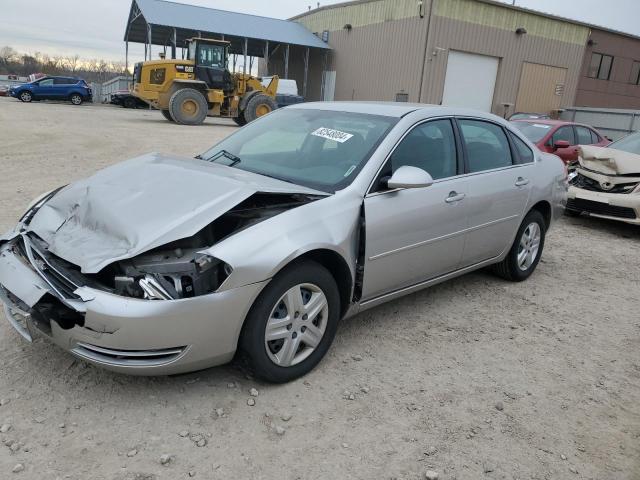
x=541, y=88
x=470, y=81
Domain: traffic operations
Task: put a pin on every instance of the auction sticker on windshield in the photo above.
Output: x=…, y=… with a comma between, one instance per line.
x=335, y=135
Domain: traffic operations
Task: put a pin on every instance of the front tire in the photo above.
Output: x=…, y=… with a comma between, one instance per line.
x=240, y=120
x=291, y=325
x=76, y=99
x=188, y=107
x=257, y=106
x=166, y=114
x=525, y=253
x=26, y=97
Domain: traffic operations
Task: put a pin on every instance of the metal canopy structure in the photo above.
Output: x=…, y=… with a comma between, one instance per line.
x=170, y=24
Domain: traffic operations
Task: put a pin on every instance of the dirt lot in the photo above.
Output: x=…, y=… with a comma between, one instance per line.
x=476, y=378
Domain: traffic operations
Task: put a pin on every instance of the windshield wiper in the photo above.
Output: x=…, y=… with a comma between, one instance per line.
x=224, y=153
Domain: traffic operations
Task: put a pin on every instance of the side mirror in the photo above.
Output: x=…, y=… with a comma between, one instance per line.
x=561, y=144
x=409, y=177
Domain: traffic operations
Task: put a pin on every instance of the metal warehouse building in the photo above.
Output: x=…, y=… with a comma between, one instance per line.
x=473, y=53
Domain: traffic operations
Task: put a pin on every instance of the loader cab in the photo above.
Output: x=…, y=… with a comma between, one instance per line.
x=210, y=58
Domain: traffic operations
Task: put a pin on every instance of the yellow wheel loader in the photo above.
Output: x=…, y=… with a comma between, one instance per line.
x=187, y=91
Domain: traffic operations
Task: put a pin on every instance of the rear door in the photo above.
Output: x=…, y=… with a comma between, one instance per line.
x=498, y=190
x=62, y=87
x=413, y=235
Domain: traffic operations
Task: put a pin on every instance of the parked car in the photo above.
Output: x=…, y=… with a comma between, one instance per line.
x=72, y=89
x=559, y=137
x=287, y=93
x=529, y=116
x=310, y=214
x=607, y=182
x=125, y=99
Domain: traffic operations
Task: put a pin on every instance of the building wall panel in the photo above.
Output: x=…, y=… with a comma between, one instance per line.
x=513, y=50
x=618, y=91
x=472, y=11
x=359, y=14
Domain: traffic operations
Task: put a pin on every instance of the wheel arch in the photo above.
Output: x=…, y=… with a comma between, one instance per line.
x=337, y=267
x=544, y=207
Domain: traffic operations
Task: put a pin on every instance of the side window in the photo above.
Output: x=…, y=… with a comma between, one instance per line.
x=430, y=146
x=487, y=145
x=525, y=155
x=584, y=136
x=595, y=138
x=46, y=83
x=564, y=133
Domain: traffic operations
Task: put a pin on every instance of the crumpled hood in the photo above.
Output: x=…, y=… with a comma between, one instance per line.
x=609, y=160
x=141, y=204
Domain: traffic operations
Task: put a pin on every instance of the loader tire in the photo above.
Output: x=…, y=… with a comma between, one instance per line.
x=257, y=106
x=166, y=114
x=240, y=120
x=188, y=107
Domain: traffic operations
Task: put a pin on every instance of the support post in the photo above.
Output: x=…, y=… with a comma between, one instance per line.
x=174, y=42
x=126, y=56
x=266, y=58
x=306, y=72
x=244, y=51
x=286, y=62
x=150, y=39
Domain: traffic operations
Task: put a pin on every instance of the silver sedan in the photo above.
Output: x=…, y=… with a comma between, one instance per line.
x=259, y=246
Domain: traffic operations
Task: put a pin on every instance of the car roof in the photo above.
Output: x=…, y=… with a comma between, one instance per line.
x=393, y=109
x=554, y=123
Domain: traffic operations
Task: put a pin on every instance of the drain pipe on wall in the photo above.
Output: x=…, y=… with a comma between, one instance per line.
x=426, y=44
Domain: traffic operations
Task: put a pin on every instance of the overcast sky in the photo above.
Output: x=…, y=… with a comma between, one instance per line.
x=95, y=28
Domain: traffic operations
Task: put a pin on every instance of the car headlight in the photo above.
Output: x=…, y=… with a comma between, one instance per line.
x=170, y=274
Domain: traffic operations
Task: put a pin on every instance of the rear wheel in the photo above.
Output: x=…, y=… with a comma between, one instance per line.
x=188, y=107
x=292, y=323
x=166, y=114
x=259, y=105
x=523, y=258
x=76, y=99
x=26, y=97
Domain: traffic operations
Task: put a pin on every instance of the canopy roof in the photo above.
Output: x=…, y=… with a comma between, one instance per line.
x=187, y=21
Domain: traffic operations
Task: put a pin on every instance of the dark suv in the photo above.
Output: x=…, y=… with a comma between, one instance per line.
x=72, y=89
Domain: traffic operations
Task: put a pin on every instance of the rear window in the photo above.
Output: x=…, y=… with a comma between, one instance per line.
x=532, y=130
x=584, y=136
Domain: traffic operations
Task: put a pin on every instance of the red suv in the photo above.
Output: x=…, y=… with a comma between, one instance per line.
x=560, y=138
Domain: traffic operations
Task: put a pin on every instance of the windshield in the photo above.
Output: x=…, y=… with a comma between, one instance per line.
x=533, y=131
x=323, y=150
x=630, y=144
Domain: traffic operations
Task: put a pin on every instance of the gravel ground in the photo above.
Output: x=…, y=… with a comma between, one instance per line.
x=476, y=378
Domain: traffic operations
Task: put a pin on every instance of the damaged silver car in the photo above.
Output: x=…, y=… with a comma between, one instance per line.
x=259, y=246
x=606, y=183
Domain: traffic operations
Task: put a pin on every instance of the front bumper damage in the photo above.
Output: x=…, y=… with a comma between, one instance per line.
x=612, y=206
x=134, y=336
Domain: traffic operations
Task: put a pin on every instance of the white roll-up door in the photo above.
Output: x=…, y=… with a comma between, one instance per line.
x=470, y=81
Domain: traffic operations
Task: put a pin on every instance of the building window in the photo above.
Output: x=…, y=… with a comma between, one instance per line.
x=600, y=67
x=635, y=73
x=402, y=97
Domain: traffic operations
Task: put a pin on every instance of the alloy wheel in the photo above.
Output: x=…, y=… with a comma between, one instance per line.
x=296, y=324
x=529, y=246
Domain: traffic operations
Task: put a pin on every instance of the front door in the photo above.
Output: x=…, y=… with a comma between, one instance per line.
x=44, y=88
x=413, y=235
x=499, y=186
x=570, y=153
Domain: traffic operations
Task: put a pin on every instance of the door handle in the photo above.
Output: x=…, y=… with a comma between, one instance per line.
x=454, y=197
x=521, y=182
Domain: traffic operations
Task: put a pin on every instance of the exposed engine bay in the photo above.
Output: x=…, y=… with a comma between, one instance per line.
x=177, y=270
